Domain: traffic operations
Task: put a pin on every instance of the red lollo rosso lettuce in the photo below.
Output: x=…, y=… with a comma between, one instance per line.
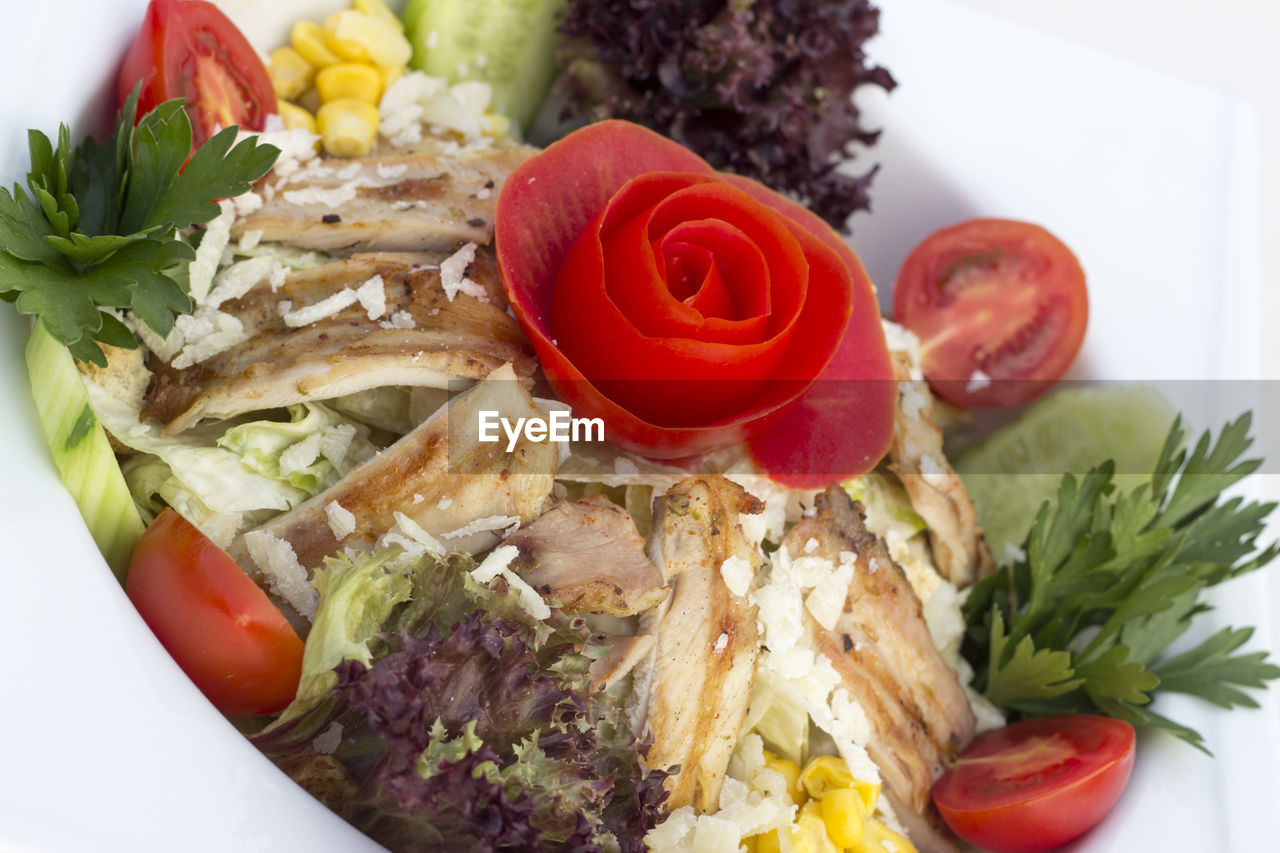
x=468, y=724
x=761, y=88
x=692, y=310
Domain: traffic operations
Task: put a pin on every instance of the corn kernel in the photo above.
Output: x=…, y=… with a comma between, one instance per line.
x=881, y=839
x=364, y=38
x=810, y=824
x=349, y=80
x=869, y=793
x=290, y=73
x=348, y=127
x=308, y=40
x=378, y=9
x=295, y=117
x=767, y=842
x=802, y=841
x=790, y=771
x=824, y=773
x=390, y=74
x=749, y=845
x=843, y=815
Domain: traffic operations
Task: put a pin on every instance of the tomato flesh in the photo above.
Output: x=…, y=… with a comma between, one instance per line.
x=1000, y=308
x=219, y=626
x=1037, y=784
x=190, y=49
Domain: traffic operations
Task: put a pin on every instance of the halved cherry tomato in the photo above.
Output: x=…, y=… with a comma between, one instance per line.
x=1036, y=784
x=1000, y=309
x=218, y=625
x=189, y=49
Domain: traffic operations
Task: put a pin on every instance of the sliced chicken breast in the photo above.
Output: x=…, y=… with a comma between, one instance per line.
x=707, y=639
x=346, y=351
x=440, y=477
x=397, y=202
x=586, y=557
x=881, y=648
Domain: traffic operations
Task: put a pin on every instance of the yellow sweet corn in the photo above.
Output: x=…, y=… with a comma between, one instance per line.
x=308, y=40
x=364, y=38
x=881, y=839
x=810, y=824
x=869, y=793
x=824, y=773
x=378, y=9
x=347, y=127
x=349, y=80
x=768, y=842
x=842, y=813
x=790, y=771
x=750, y=843
x=291, y=74
x=295, y=117
x=390, y=74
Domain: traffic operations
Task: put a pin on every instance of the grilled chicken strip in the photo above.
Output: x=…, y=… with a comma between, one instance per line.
x=587, y=557
x=625, y=653
x=397, y=202
x=959, y=547
x=707, y=639
x=440, y=476
x=347, y=351
x=881, y=648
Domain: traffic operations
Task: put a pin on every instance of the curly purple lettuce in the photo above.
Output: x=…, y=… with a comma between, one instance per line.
x=763, y=89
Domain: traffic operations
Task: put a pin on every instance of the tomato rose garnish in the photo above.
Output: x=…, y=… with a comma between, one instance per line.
x=691, y=309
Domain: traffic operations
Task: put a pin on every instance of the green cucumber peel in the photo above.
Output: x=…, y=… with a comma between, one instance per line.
x=80, y=450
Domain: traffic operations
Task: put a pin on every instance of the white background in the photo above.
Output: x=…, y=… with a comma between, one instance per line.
x=1229, y=45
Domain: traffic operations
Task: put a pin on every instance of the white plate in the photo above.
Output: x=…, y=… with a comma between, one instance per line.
x=108, y=747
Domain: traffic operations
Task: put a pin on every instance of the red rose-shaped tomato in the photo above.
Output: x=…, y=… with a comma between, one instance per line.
x=691, y=309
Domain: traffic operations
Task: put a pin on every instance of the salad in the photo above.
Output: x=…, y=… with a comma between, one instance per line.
x=299, y=603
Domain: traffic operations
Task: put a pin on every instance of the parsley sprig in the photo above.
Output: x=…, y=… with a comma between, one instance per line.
x=1111, y=578
x=101, y=227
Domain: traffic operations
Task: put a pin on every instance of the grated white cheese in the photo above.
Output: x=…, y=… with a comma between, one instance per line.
x=453, y=273
x=238, y=279
x=342, y=522
x=484, y=525
x=326, y=307
x=330, y=198
x=498, y=564
x=389, y=172
x=300, y=455
x=285, y=576
x=249, y=239
x=737, y=574
x=443, y=503
x=373, y=297
x=414, y=531
x=826, y=602
x=217, y=234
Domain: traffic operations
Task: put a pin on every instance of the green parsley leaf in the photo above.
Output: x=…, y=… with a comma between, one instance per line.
x=1210, y=671
x=1112, y=578
x=97, y=228
x=1022, y=672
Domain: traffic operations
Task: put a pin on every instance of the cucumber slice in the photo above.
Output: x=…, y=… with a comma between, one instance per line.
x=81, y=452
x=1020, y=465
x=509, y=44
